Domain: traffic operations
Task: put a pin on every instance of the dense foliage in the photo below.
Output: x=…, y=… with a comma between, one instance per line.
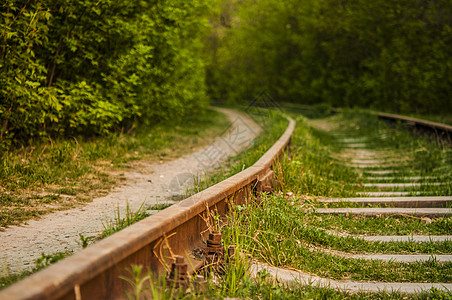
x=87, y=66
x=391, y=55
x=90, y=66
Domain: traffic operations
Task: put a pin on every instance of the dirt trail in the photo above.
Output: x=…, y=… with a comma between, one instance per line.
x=151, y=183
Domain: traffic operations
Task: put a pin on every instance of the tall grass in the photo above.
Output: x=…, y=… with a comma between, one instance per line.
x=119, y=222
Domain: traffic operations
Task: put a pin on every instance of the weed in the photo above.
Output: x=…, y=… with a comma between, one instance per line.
x=119, y=223
x=48, y=259
x=136, y=281
x=160, y=206
x=84, y=240
x=286, y=232
x=236, y=282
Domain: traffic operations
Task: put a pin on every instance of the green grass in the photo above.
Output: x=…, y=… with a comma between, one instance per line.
x=245, y=287
x=277, y=233
x=32, y=178
x=119, y=223
x=310, y=169
x=394, y=225
x=283, y=230
x=262, y=289
x=312, y=229
x=160, y=206
x=401, y=152
x=274, y=125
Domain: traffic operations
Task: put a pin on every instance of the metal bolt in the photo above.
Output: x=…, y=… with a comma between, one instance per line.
x=178, y=275
x=214, y=250
x=215, y=237
x=214, y=240
x=267, y=189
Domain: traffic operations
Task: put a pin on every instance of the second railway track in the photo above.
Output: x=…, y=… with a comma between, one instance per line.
x=394, y=184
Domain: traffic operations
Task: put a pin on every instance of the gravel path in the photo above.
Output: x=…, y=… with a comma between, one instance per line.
x=150, y=183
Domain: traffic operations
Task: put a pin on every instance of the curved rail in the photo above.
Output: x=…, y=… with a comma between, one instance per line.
x=441, y=131
x=94, y=273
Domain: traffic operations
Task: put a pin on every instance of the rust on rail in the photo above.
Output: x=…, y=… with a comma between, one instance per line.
x=414, y=121
x=440, y=131
x=94, y=273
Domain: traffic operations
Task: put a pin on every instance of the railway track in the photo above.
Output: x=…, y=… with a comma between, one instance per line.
x=388, y=181
x=392, y=187
x=439, y=131
x=381, y=197
x=94, y=273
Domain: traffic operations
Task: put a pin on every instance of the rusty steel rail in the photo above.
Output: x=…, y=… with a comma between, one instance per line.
x=94, y=273
x=441, y=131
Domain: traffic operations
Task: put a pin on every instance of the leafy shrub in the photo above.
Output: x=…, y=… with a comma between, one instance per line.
x=387, y=54
x=90, y=67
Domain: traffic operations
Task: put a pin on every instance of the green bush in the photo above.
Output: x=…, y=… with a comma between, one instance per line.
x=386, y=54
x=90, y=67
